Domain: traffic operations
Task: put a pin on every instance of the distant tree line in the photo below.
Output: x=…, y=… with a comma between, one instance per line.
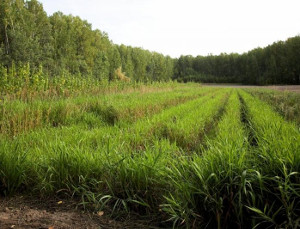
x=278, y=63
x=64, y=44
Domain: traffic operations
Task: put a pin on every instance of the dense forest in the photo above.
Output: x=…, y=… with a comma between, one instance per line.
x=59, y=45
x=278, y=63
x=67, y=44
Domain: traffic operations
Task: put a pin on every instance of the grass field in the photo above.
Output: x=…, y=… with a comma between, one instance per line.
x=185, y=155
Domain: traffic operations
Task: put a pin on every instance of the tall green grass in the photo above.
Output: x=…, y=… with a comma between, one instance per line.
x=79, y=161
x=276, y=188
x=145, y=131
x=207, y=188
x=188, y=131
x=184, y=154
x=286, y=103
x=90, y=111
x=236, y=183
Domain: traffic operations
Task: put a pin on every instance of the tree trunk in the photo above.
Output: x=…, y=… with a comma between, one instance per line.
x=7, y=48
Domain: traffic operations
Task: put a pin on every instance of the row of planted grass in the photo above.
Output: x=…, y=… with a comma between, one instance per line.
x=236, y=183
x=286, y=103
x=207, y=187
x=101, y=166
x=181, y=124
x=137, y=166
x=92, y=111
x=94, y=138
x=188, y=132
x=143, y=177
x=52, y=159
x=276, y=139
x=275, y=200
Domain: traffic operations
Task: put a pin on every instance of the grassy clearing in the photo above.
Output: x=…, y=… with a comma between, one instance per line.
x=185, y=154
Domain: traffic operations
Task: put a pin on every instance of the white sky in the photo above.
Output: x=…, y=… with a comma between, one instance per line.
x=188, y=27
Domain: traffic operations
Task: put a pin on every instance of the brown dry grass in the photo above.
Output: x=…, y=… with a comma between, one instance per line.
x=292, y=88
x=121, y=75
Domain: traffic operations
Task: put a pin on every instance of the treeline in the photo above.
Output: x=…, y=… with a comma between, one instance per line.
x=278, y=63
x=64, y=44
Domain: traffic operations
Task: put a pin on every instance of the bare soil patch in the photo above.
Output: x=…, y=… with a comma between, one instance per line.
x=25, y=213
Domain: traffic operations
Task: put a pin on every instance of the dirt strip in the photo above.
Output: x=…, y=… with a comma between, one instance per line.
x=25, y=213
x=292, y=88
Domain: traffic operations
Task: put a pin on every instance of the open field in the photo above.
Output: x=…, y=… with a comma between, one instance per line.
x=287, y=88
x=178, y=155
x=292, y=88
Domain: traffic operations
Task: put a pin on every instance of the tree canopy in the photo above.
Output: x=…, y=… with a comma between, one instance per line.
x=278, y=63
x=65, y=43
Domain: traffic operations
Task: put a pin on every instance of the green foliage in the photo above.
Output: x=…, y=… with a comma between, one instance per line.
x=286, y=103
x=198, y=156
x=64, y=44
x=277, y=166
x=208, y=188
x=275, y=64
x=73, y=124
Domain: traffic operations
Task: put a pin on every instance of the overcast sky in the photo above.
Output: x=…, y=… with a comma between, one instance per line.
x=188, y=27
